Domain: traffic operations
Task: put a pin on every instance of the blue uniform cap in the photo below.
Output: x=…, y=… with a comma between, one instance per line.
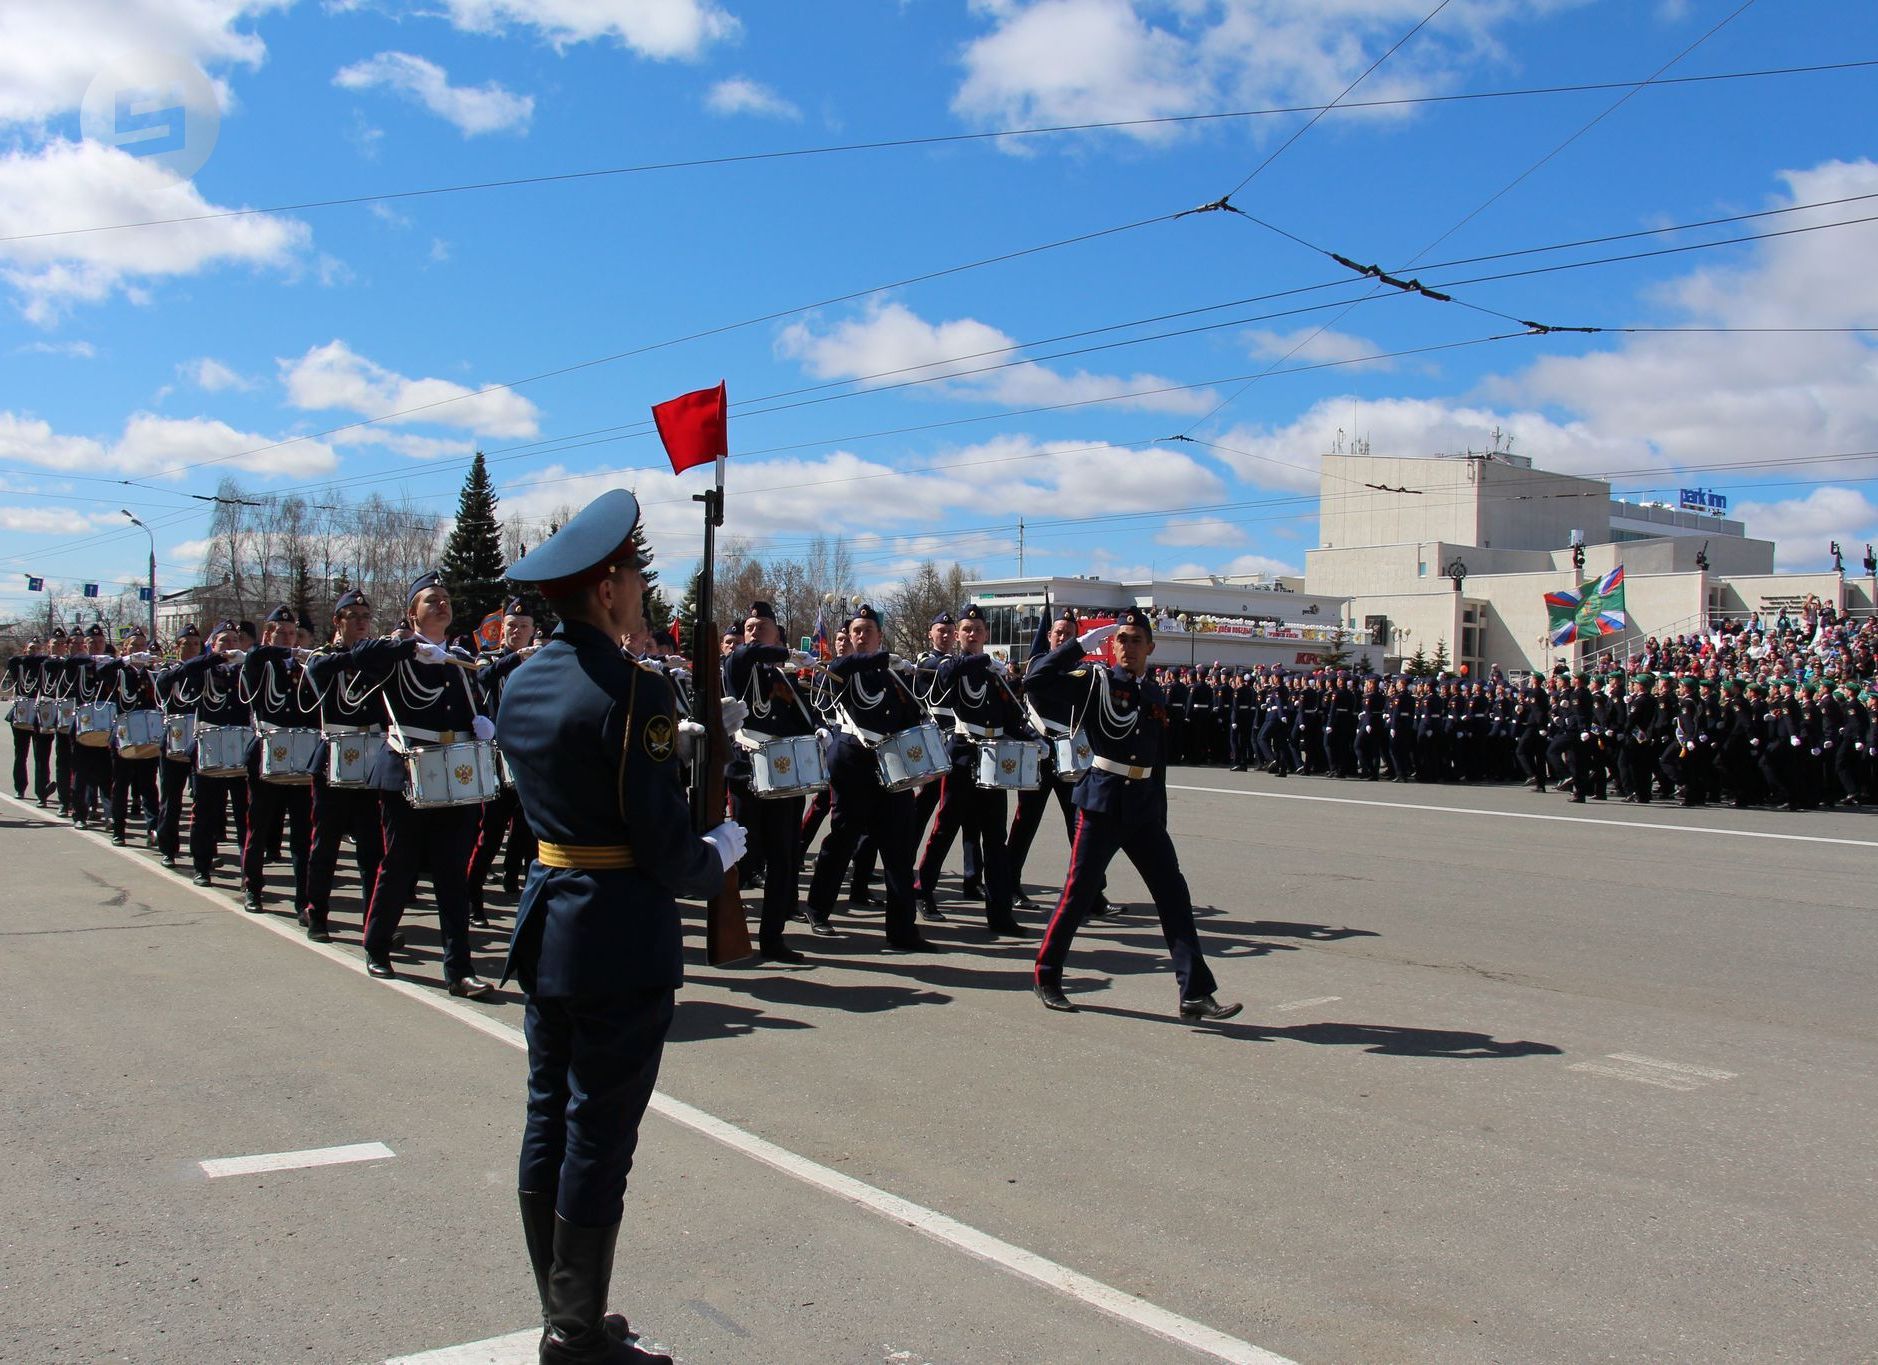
x=516, y=607
x=944, y=618
x=763, y=610
x=281, y=613
x=971, y=613
x=349, y=599
x=432, y=579
x=595, y=541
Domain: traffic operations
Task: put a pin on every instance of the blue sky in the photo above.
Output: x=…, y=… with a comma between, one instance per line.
x=171, y=356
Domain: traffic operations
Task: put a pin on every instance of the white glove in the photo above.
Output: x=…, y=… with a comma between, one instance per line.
x=823, y=734
x=729, y=841
x=483, y=727
x=432, y=654
x=143, y=657
x=234, y=656
x=735, y=714
x=1795, y=741
x=1092, y=640
x=688, y=733
x=800, y=658
x=1583, y=736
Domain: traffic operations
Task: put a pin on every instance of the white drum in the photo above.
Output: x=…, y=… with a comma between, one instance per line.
x=179, y=737
x=460, y=774
x=791, y=765
x=1073, y=756
x=93, y=724
x=222, y=750
x=139, y=734
x=911, y=758
x=287, y=756
x=503, y=775
x=67, y=712
x=23, y=714
x=48, y=714
x=1008, y=765
x=349, y=759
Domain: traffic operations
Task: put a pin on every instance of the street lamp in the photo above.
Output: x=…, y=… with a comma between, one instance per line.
x=146, y=530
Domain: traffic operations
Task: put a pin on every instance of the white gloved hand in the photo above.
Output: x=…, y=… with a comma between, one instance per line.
x=1583, y=736
x=688, y=732
x=234, y=656
x=1795, y=741
x=800, y=658
x=432, y=654
x=823, y=733
x=143, y=657
x=1092, y=640
x=729, y=841
x=483, y=727
x=735, y=714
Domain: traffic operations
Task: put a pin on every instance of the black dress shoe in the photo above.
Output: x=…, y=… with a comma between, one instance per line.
x=928, y=911
x=1022, y=901
x=300, y=916
x=915, y=944
x=472, y=988
x=117, y=841
x=863, y=901
x=1206, y=1007
x=821, y=928
x=200, y=879
x=251, y=902
x=397, y=938
x=478, y=917
x=1006, y=927
x=379, y=967
x=167, y=861
x=1052, y=997
x=971, y=888
x=781, y=952
x=319, y=933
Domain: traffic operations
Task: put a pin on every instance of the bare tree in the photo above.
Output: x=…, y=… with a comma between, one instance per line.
x=922, y=595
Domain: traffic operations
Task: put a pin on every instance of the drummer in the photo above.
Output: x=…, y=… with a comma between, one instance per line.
x=425, y=693
x=502, y=820
x=211, y=676
x=970, y=685
x=347, y=711
x=870, y=696
x=91, y=763
x=270, y=684
x=755, y=675
x=1054, y=716
x=22, y=678
x=173, y=769
x=126, y=683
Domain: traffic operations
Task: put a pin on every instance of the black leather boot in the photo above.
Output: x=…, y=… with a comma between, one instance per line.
x=538, y=1231
x=574, y=1305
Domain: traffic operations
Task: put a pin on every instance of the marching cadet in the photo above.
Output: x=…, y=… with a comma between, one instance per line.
x=941, y=640
x=591, y=739
x=57, y=683
x=425, y=695
x=755, y=676
x=176, y=697
x=502, y=821
x=91, y=763
x=1307, y=727
x=22, y=679
x=1053, y=722
x=1370, y=743
x=1340, y=728
x=125, y=682
x=1275, y=729
x=1636, y=756
x=212, y=676
x=872, y=700
x=1123, y=805
x=1848, y=740
x=270, y=678
x=352, y=723
x=972, y=684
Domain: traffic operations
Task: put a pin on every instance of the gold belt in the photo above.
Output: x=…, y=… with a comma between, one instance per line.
x=590, y=857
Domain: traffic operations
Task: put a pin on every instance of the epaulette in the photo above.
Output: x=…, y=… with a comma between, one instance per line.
x=1079, y=673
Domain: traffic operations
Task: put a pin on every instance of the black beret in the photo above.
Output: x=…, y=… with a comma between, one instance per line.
x=228, y=626
x=971, y=613
x=516, y=607
x=189, y=628
x=1136, y=617
x=1067, y=614
x=247, y=628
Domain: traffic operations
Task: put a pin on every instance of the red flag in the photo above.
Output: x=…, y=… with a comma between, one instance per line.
x=694, y=427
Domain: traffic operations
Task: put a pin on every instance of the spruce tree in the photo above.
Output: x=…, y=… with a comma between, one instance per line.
x=472, y=557
x=658, y=611
x=1439, y=664
x=1417, y=666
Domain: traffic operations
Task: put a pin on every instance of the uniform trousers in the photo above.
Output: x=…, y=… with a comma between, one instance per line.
x=502, y=825
x=863, y=807
x=62, y=747
x=91, y=780
x=774, y=824
x=22, y=755
x=42, y=766
x=172, y=780
x=980, y=812
x=1368, y=747
x=434, y=841
x=1636, y=770
x=812, y=818
x=216, y=799
x=338, y=812
x=272, y=805
x=1099, y=837
x=1030, y=808
x=133, y=777
x=592, y=1064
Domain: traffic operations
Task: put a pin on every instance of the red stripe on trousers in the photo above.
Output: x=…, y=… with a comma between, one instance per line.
x=1069, y=880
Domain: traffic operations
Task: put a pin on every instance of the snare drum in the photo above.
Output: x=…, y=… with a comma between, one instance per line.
x=139, y=734
x=67, y=712
x=1008, y=765
x=460, y=774
x=179, y=737
x=287, y=756
x=349, y=758
x=503, y=775
x=93, y=724
x=23, y=714
x=222, y=750
x=911, y=758
x=1073, y=756
x=791, y=765
x=47, y=714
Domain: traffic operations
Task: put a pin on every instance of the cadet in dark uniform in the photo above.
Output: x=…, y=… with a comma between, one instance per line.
x=501, y=821
x=1123, y=800
x=126, y=683
x=591, y=739
x=91, y=763
x=349, y=714
x=211, y=675
x=270, y=684
x=22, y=678
x=176, y=697
x=1054, y=722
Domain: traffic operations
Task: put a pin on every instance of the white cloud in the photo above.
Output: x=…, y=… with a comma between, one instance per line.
x=150, y=443
x=660, y=29
x=741, y=95
x=53, y=520
x=188, y=553
x=50, y=52
x=1075, y=61
x=1804, y=528
x=1308, y=346
x=406, y=444
x=895, y=343
x=335, y=377
x=472, y=109
x=74, y=350
x=76, y=184
x=212, y=376
x=1070, y=479
x=1185, y=531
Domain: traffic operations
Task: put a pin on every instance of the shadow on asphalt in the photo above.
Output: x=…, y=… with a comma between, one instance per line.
x=1385, y=1040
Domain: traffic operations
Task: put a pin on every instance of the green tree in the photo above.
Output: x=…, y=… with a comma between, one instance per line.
x=300, y=593
x=1336, y=651
x=1417, y=666
x=472, y=565
x=1439, y=664
x=658, y=611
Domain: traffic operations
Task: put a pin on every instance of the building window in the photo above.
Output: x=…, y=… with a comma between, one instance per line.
x=1421, y=569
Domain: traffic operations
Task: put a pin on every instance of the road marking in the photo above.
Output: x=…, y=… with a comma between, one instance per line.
x=517, y=1348
x=1530, y=815
x=1653, y=1071
x=1306, y=1004
x=220, y=1166
x=1116, y=1303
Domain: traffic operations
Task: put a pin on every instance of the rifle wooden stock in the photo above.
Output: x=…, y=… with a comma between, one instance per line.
x=726, y=929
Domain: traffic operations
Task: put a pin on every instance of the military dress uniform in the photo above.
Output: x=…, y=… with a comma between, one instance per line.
x=270, y=680
x=1054, y=721
x=215, y=682
x=591, y=739
x=22, y=679
x=128, y=686
x=175, y=697
x=1122, y=801
x=502, y=825
x=349, y=714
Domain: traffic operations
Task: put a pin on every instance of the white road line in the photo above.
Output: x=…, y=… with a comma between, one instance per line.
x=1116, y=1303
x=1529, y=815
x=1306, y=1004
x=220, y=1166
x=517, y=1348
x=1653, y=1071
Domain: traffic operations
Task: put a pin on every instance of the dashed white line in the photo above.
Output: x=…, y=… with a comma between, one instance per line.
x=1529, y=815
x=217, y=1167
x=1653, y=1071
x=1306, y=1004
x=517, y=1348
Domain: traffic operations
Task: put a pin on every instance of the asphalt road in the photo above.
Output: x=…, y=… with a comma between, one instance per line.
x=1505, y=1089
